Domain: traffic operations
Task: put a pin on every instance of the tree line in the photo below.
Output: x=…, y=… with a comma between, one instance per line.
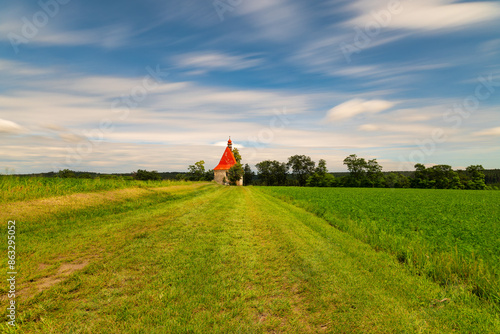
x=301, y=170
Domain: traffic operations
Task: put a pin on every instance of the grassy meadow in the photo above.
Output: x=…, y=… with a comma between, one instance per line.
x=202, y=258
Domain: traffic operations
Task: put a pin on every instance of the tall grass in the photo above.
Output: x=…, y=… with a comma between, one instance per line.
x=21, y=188
x=450, y=236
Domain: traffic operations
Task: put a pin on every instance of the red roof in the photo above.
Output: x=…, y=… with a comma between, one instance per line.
x=227, y=161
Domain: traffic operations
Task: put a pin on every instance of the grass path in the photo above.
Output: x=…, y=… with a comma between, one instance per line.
x=215, y=259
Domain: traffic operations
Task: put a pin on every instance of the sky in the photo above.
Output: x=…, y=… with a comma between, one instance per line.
x=116, y=86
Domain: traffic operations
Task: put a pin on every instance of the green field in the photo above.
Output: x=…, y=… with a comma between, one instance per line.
x=203, y=258
x=451, y=236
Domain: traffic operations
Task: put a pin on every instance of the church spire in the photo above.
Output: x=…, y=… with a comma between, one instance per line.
x=230, y=143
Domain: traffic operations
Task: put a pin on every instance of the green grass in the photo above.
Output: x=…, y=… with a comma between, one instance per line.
x=202, y=258
x=451, y=236
x=22, y=188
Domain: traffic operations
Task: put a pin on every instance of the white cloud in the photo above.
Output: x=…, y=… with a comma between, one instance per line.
x=10, y=127
x=388, y=70
x=206, y=61
x=356, y=107
x=224, y=144
x=425, y=15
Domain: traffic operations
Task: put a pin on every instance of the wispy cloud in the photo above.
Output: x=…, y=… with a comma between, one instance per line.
x=10, y=127
x=216, y=61
x=425, y=15
x=388, y=70
x=356, y=107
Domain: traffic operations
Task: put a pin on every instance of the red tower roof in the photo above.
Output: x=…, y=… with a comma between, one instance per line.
x=227, y=161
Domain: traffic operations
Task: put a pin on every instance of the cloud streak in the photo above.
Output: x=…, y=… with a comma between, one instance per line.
x=355, y=107
x=10, y=127
x=215, y=61
x=425, y=15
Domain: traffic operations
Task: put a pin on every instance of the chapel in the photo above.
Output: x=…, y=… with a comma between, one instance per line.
x=226, y=162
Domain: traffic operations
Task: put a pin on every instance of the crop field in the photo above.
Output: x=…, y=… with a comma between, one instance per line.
x=451, y=236
x=197, y=257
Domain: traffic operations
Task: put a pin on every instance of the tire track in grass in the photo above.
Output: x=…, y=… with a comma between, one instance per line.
x=312, y=281
x=283, y=305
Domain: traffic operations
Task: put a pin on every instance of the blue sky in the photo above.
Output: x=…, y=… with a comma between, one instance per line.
x=116, y=86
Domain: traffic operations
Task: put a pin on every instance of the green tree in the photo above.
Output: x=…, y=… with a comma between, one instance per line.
x=237, y=155
x=145, y=175
x=396, y=180
x=66, y=173
x=321, y=168
x=208, y=176
x=442, y=175
x=272, y=172
x=302, y=167
x=235, y=173
x=363, y=173
x=420, y=178
x=436, y=177
x=196, y=172
x=476, y=176
x=374, y=175
x=357, y=170
x=320, y=177
x=248, y=176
